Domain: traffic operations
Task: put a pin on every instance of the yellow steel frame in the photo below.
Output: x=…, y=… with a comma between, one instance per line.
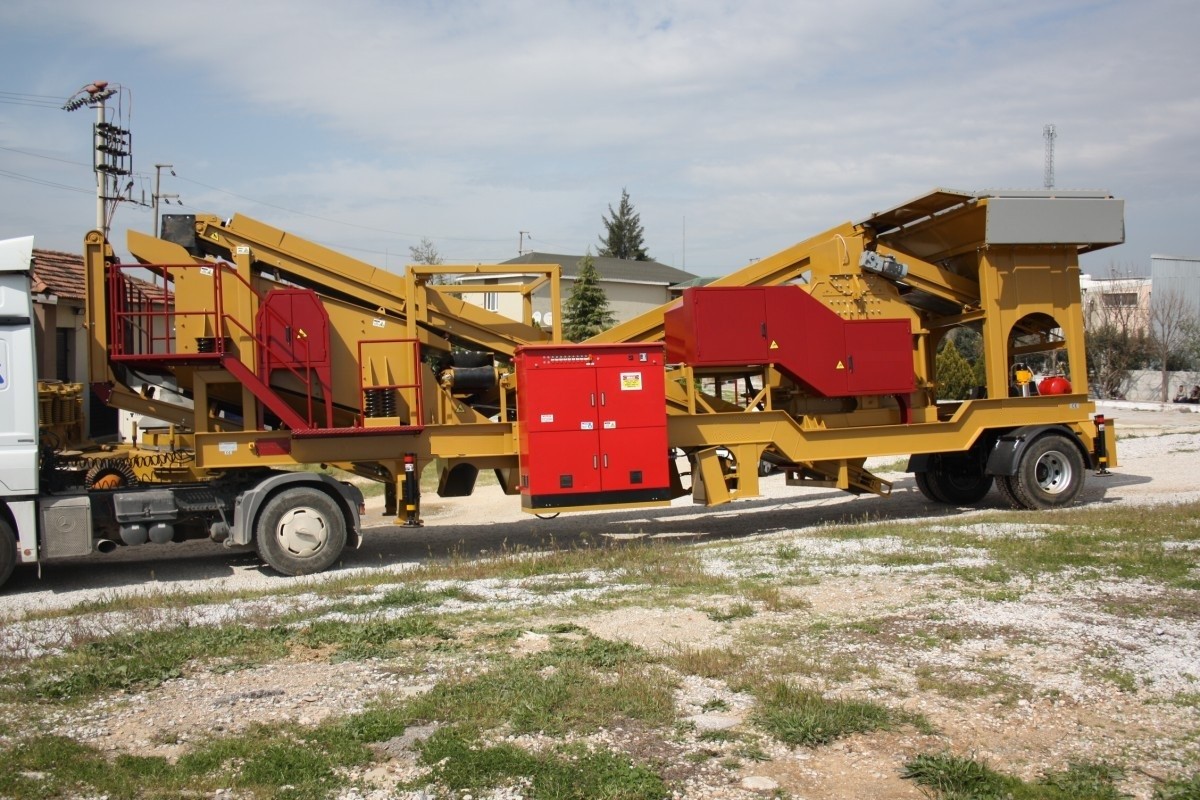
x=1007, y=292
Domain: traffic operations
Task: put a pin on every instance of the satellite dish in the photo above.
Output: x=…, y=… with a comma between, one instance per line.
x=547, y=318
x=537, y=318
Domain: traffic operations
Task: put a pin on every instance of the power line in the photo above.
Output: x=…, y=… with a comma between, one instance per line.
x=359, y=226
x=48, y=158
x=28, y=179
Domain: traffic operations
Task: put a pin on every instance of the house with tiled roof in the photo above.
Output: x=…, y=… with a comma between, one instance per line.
x=58, y=302
x=632, y=287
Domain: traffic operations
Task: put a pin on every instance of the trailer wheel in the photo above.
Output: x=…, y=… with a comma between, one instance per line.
x=961, y=487
x=1005, y=484
x=926, y=487
x=300, y=531
x=1049, y=474
x=8, y=551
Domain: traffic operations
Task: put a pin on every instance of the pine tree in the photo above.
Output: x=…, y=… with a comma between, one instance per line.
x=955, y=378
x=586, y=311
x=623, y=232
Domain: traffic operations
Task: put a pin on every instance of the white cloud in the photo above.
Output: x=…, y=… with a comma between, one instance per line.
x=760, y=122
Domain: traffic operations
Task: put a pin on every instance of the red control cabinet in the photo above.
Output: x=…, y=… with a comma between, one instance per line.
x=593, y=425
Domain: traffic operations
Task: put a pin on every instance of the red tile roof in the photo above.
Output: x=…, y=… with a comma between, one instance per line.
x=59, y=274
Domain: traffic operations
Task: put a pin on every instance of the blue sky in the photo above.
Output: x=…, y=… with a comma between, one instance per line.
x=738, y=128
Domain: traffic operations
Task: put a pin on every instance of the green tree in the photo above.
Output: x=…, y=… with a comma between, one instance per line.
x=623, y=233
x=955, y=377
x=586, y=311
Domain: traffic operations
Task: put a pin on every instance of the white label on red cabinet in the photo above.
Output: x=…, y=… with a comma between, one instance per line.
x=547, y=418
x=631, y=381
x=610, y=424
x=587, y=425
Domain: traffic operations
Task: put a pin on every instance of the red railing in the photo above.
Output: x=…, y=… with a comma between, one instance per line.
x=143, y=322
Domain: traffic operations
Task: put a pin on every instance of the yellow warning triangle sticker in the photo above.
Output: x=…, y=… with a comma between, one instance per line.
x=840, y=366
x=774, y=345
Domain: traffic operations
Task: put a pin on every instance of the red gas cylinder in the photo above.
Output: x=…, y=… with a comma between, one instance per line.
x=1054, y=384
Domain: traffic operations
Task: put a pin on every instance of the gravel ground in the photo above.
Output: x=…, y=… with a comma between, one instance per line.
x=1053, y=642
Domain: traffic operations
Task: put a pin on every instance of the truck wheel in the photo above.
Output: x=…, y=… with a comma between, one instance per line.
x=8, y=551
x=300, y=531
x=1050, y=473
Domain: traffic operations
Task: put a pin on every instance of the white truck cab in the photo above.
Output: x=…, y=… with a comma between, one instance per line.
x=18, y=408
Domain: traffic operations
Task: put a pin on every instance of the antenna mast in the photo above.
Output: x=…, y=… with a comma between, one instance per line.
x=1049, y=134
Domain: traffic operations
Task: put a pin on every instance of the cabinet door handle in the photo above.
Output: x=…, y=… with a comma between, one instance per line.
x=606, y=460
x=595, y=462
x=602, y=399
x=593, y=399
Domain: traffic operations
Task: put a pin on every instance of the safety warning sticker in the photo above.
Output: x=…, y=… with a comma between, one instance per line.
x=631, y=381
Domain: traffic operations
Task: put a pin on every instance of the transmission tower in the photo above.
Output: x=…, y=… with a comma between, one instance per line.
x=1049, y=134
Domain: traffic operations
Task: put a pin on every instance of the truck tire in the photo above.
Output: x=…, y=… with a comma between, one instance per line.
x=300, y=531
x=8, y=551
x=1049, y=473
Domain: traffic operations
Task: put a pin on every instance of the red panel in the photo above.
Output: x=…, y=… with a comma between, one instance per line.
x=558, y=399
x=788, y=327
x=719, y=326
x=566, y=462
x=633, y=458
x=809, y=340
x=295, y=327
x=632, y=395
x=881, y=356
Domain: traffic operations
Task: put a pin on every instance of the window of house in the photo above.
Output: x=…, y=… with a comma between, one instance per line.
x=1120, y=299
x=491, y=301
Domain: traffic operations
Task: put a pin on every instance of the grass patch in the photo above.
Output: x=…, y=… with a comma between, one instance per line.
x=1179, y=789
x=146, y=658
x=948, y=777
x=736, y=611
x=264, y=762
x=374, y=638
x=802, y=717
x=708, y=662
x=461, y=763
x=576, y=686
x=957, y=684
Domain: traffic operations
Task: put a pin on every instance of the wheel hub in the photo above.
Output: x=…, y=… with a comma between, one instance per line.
x=302, y=531
x=1053, y=472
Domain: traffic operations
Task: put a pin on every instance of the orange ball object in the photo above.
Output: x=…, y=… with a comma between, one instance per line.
x=1055, y=384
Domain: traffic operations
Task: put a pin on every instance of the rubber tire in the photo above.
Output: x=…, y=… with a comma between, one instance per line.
x=959, y=489
x=8, y=551
x=926, y=486
x=1049, y=474
x=300, y=507
x=1005, y=484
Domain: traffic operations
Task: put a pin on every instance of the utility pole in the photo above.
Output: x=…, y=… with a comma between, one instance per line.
x=113, y=156
x=158, y=195
x=521, y=242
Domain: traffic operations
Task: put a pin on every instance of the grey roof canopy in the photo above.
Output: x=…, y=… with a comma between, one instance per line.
x=1086, y=218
